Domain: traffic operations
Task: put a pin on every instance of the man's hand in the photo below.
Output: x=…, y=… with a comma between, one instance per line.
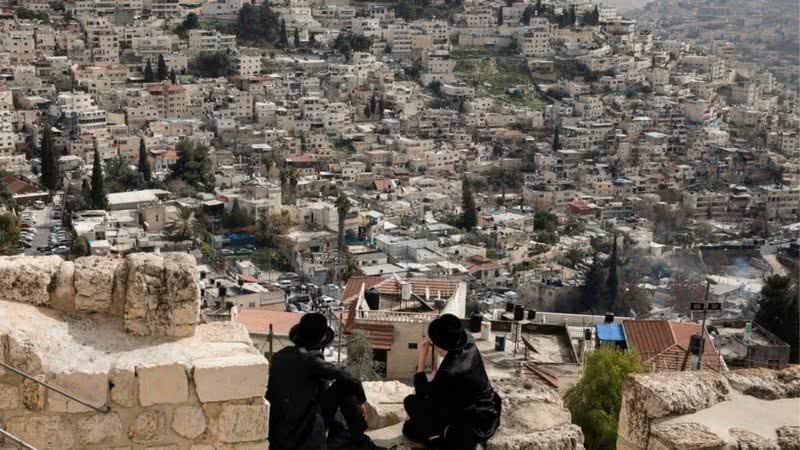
x=424, y=346
x=363, y=409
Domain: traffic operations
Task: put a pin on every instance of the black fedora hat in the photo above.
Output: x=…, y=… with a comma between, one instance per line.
x=447, y=332
x=312, y=332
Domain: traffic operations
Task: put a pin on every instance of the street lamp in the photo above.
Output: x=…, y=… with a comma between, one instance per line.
x=705, y=307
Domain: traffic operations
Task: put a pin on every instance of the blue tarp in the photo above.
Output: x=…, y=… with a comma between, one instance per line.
x=610, y=332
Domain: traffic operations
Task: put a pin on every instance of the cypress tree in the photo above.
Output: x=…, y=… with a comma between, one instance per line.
x=99, y=199
x=556, y=143
x=283, y=37
x=380, y=108
x=296, y=38
x=469, y=212
x=49, y=170
x=500, y=16
x=312, y=39
x=613, y=281
x=163, y=72
x=144, y=165
x=149, y=76
x=173, y=77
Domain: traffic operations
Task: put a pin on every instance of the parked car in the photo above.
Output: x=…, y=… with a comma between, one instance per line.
x=61, y=250
x=38, y=204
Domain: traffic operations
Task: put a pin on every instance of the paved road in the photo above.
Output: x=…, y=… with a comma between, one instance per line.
x=43, y=224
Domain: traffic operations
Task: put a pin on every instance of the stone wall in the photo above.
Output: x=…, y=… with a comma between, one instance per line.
x=752, y=409
x=123, y=334
x=157, y=295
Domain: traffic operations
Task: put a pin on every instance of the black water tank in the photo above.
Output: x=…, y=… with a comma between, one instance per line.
x=475, y=323
x=609, y=317
x=519, y=312
x=587, y=334
x=373, y=298
x=531, y=314
x=222, y=291
x=695, y=343
x=509, y=306
x=241, y=282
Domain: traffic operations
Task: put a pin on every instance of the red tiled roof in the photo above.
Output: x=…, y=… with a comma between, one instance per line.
x=383, y=185
x=381, y=335
x=18, y=186
x=247, y=278
x=257, y=321
x=353, y=286
x=389, y=285
x=663, y=344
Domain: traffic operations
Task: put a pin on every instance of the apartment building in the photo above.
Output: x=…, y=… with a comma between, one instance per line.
x=535, y=41
x=706, y=204
x=21, y=46
x=201, y=41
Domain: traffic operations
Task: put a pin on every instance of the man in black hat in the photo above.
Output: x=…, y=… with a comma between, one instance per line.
x=303, y=406
x=458, y=409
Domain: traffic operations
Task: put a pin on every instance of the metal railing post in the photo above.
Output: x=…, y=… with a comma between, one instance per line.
x=16, y=440
x=104, y=409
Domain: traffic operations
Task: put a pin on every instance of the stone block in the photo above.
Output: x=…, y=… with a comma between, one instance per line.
x=34, y=394
x=94, y=282
x=788, y=437
x=62, y=289
x=162, y=384
x=685, y=436
x=22, y=356
x=9, y=396
x=242, y=423
x=89, y=387
x=189, y=421
x=45, y=432
x=123, y=386
x=164, y=447
x=230, y=377
x=100, y=429
x=26, y=279
x=148, y=427
x=385, y=403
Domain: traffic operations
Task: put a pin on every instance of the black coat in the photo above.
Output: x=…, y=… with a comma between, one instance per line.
x=461, y=397
x=296, y=378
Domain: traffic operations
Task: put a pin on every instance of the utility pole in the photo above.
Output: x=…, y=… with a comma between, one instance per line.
x=705, y=307
x=269, y=339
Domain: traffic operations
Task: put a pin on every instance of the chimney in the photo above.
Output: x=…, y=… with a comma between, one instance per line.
x=405, y=290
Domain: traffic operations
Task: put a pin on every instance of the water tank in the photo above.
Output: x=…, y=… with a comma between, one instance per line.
x=222, y=291
x=587, y=334
x=609, y=317
x=509, y=306
x=531, y=314
x=695, y=342
x=373, y=298
x=475, y=323
x=519, y=312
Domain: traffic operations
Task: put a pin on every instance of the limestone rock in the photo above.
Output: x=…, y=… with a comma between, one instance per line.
x=162, y=384
x=685, y=436
x=242, y=423
x=9, y=396
x=33, y=394
x=45, y=432
x=148, y=426
x=767, y=384
x=385, y=403
x=26, y=279
x=90, y=387
x=100, y=428
x=123, y=386
x=747, y=440
x=231, y=377
x=162, y=294
x=566, y=437
x=21, y=354
x=62, y=293
x=535, y=416
x=94, y=282
x=189, y=421
x=788, y=438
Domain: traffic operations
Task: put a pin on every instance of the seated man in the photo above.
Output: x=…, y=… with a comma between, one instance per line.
x=458, y=409
x=303, y=406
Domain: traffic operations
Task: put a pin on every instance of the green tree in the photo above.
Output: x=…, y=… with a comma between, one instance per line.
x=173, y=77
x=192, y=165
x=296, y=38
x=182, y=227
x=162, y=70
x=49, y=170
x=469, y=212
x=149, y=76
x=144, y=164
x=778, y=311
x=595, y=400
x=80, y=247
x=283, y=36
x=343, y=205
x=86, y=193
x=9, y=234
x=351, y=268
x=380, y=108
x=236, y=218
x=499, y=16
x=360, y=360
x=258, y=24
x=612, y=282
x=212, y=65
x=270, y=227
x=189, y=23
x=312, y=39
x=556, y=140
x=99, y=199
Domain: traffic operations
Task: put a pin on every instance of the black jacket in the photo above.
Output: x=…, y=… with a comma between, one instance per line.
x=296, y=377
x=461, y=397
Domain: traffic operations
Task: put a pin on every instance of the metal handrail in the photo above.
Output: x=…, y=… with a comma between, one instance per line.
x=17, y=440
x=104, y=409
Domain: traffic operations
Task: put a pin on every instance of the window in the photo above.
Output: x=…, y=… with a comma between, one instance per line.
x=412, y=345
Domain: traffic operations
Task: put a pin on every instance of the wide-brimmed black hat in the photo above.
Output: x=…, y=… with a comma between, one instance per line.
x=312, y=332
x=447, y=332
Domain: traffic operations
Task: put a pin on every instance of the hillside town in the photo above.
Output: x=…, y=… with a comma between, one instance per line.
x=575, y=183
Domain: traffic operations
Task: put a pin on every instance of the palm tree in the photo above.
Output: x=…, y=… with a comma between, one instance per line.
x=343, y=205
x=182, y=228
